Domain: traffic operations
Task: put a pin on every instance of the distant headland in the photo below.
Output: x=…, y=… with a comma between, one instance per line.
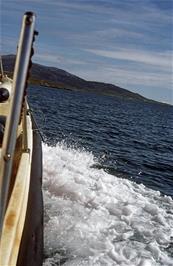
x=60, y=79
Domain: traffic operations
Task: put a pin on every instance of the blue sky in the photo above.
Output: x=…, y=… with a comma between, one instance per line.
x=125, y=42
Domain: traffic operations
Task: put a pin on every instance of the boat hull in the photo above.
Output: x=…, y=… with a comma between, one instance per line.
x=31, y=248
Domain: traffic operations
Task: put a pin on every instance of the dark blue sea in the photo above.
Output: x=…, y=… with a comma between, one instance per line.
x=132, y=139
x=107, y=179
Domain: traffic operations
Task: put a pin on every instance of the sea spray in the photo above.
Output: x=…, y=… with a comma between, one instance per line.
x=94, y=218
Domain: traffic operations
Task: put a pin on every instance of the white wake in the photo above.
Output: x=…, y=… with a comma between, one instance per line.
x=94, y=218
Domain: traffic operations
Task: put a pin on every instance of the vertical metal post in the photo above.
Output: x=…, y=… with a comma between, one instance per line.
x=24, y=125
x=19, y=83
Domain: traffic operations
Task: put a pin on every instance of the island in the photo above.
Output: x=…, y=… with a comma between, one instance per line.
x=57, y=78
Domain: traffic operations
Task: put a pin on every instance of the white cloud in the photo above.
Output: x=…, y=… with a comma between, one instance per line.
x=47, y=58
x=155, y=85
x=128, y=78
x=56, y=60
x=140, y=78
x=138, y=56
x=97, y=39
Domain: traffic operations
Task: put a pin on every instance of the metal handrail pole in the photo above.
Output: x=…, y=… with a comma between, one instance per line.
x=24, y=123
x=10, y=134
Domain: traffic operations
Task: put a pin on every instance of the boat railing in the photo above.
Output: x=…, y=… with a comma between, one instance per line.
x=19, y=85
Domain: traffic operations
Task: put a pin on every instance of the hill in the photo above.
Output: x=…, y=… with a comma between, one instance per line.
x=58, y=78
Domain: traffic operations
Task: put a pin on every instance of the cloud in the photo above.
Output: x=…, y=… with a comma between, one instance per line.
x=139, y=77
x=144, y=57
x=152, y=84
x=129, y=78
x=125, y=42
x=119, y=11
x=58, y=60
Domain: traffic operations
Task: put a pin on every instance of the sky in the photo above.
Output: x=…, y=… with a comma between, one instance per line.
x=128, y=43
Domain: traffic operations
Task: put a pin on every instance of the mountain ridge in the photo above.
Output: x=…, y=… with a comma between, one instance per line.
x=61, y=79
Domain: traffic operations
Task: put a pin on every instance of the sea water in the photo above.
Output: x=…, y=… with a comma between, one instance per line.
x=107, y=179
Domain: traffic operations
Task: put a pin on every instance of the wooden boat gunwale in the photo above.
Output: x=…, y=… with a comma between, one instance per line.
x=17, y=206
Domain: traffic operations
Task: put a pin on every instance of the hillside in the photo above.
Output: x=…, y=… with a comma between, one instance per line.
x=58, y=78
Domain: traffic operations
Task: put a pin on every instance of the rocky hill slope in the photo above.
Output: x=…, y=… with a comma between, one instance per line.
x=58, y=78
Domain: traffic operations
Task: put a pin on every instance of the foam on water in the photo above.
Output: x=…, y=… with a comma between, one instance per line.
x=94, y=218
